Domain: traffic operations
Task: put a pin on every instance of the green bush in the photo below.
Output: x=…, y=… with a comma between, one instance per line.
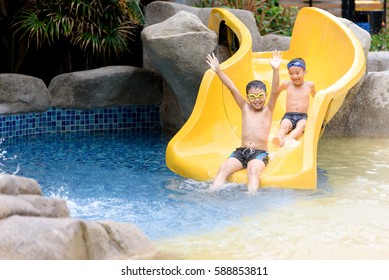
x=380, y=41
x=71, y=35
x=274, y=19
x=270, y=16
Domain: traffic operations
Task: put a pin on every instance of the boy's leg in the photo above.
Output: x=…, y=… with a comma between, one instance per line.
x=285, y=126
x=254, y=170
x=230, y=166
x=298, y=131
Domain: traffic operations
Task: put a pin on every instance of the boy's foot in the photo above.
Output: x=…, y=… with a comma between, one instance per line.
x=278, y=141
x=252, y=190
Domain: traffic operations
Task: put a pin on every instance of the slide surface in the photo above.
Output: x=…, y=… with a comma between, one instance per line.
x=335, y=63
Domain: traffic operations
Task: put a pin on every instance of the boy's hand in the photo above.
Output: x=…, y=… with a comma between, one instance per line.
x=275, y=60
x=213, y=62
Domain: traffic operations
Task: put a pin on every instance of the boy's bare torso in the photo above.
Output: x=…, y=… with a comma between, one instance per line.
x=255, y=127
x=297, y=99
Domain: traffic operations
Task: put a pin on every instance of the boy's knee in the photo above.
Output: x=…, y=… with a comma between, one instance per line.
x=255, y=169
x=301, y=124
x=252, y=170
x=286, y=125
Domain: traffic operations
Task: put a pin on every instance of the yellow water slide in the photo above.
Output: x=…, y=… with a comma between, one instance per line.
x=335, y=62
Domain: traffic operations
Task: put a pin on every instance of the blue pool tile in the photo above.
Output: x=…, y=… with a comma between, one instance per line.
x=58, y=120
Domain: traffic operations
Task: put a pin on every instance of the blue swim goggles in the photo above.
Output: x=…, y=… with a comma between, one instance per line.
x=295, y=63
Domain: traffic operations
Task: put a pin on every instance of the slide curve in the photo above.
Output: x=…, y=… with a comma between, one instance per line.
x=335, y=62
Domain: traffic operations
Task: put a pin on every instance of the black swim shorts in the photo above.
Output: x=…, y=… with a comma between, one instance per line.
x=244, y=155
x=295, y=118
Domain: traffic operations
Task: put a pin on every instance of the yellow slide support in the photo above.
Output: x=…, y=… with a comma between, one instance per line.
x=335, y=62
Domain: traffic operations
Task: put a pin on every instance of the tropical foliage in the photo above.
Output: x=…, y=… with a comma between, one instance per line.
x=78, y=34
x=380, y=41
x=270, y=16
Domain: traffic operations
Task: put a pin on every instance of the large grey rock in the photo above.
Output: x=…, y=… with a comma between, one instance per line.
x=40, y=238
x=338, y=126
x=23, y=196
x=159, y=11
x=171, y=115
x=367, y=113
x=37, y=238
x=32, y=205
x=273, y=42
x=113, y=240
x=370, y=114
x=378, y=61
x=174, y=50
x=105, y=87
x=14, y=185
x=22, y=94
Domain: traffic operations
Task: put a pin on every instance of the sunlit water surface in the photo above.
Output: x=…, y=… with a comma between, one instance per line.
x=123, y=177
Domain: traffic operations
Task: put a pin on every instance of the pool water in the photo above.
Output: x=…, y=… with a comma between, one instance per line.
x=347, y=217
x=123, y=177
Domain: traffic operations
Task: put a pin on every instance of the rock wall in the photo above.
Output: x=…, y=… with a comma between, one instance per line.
x=97, y=88
x=365, y=112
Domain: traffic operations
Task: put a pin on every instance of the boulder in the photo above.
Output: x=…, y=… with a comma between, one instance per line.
x=32, y=205
x=105, y=87
x=273, y=42
x=171, y=115
x=365, y=112
x=22, y=94
x=174, y=50
x=13, y=185
x=370, y=111
x=113, y=240
x=159, y=11
x=378, y=61
x=42, y=238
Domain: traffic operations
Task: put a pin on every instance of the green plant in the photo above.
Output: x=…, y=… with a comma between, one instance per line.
x=249, y=5
x=269, y=15
x=274, y=19
x=380, y=41
x=96, y=31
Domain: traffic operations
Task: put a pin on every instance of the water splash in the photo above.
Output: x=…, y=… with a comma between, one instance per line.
x=6, y=161
x=60, y=192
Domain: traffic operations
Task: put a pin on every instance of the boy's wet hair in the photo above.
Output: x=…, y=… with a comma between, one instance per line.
x=255, y=84
x=299, y=62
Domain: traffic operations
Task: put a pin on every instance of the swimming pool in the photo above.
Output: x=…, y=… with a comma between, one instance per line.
x=347, y=218
x=122, y=176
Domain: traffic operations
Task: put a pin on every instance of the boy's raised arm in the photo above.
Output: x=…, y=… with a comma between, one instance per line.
x=213, y=62
x=275, y=62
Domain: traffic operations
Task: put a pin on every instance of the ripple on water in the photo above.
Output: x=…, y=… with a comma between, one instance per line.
x=346, y=218
x=124, y=178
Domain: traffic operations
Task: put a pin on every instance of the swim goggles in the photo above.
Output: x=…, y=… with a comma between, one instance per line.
x=252, y=96
x=295, y=63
